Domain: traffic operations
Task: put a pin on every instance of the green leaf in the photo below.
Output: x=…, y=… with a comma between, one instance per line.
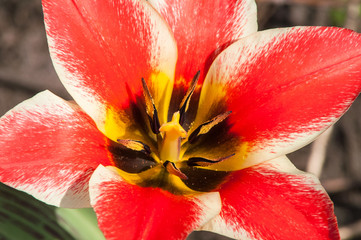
x=24, y=217
x=82, y=223
x=338, y=16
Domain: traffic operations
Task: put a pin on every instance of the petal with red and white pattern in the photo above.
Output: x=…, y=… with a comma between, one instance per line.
x=203, y=29
x=49, y=148
x=274, y=200
x=284, y=87
x=102, y=49
x=128, y=211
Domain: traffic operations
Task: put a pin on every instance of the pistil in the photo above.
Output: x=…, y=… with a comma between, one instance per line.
x=173, y=132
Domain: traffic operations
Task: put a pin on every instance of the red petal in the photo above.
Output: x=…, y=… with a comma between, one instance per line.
x=286, y=86
x=127, y=211
x=49, y=148
x=203, y=28
x=102, y=49
x=263, y=203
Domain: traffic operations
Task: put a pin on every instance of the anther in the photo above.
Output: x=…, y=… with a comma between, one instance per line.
x=151, y=109
x=207, y=126
x=172, y=169
x=183, y=107
x=135, y=145
x=204, y=162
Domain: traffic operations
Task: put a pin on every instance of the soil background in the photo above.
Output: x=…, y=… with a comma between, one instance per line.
x=26, y=69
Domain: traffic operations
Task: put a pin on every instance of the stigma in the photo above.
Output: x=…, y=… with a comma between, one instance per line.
x=172, y=132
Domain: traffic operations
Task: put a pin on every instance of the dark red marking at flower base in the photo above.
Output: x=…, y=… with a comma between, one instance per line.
x=203, y=180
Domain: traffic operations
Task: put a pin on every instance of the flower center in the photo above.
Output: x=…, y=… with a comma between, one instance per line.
x=175, y=160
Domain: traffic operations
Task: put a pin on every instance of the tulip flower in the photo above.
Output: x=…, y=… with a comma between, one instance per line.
x=182, y=117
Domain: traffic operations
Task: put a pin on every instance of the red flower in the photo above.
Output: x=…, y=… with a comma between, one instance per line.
x=239, y=101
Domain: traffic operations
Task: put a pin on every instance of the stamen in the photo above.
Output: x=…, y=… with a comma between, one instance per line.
x=207, y=126
x=151, y=109
x=183, y=107
x=135, y=145
x=172, y=169
x=203, y=162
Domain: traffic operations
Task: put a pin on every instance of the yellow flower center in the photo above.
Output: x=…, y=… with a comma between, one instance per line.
x=176, y=156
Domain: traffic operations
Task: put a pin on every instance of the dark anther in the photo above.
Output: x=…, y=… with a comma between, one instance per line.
x=172, y=169
x=204, y=162
x=193, y=137
x=154, y=122
x=151, y=109
x=135, y=145
x=183, y=107
x=207, y=126
x=130, y=160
